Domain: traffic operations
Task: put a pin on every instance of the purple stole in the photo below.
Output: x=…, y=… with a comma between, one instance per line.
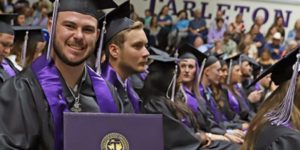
x=191, y=101
x=243, y=100
x=49, y=79
x=233, y=102
x=218, y=115
x=110, y=75
x=8, y=69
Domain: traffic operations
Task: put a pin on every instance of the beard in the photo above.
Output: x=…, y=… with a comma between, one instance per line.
x=65, y=60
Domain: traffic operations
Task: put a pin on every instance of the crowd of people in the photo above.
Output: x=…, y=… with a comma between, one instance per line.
x=217, y=86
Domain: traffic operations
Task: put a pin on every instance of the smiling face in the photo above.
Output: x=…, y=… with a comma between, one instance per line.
x=75, y=38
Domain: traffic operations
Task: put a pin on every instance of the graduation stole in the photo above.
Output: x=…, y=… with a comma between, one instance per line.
x=233, y=102
x=8, y=69
x=191, y=101
x=49, y=79
x=110, y=75
x=219, y=116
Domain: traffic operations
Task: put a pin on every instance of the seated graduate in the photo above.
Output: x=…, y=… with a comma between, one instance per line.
x=211, y=76
x=237, y=98
x=189, y=76
x=181, y=129
x=29, y=41
x=7, y=35
x=32, y=103
x=219, y=90
x=127, y=54
x=276, y=125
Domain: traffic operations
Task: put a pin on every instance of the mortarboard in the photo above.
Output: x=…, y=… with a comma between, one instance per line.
x=285, y=69
x=6, y=22
x=87, y=7
x=32, y=34
x=251, y=61
x=232, y=61
x=164, y=64
x=281, y=70
x=211, y=59
x=188, y=51
x=117, y=22
x=8, y=18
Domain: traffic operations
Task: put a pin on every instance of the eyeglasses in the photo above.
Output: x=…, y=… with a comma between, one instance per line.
x=6, y=44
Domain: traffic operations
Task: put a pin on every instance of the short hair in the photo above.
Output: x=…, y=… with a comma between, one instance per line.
x=119, y=38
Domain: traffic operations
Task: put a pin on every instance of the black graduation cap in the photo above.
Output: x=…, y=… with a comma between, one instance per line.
x=89, y=7
x=117, y=21
x=163, y=64
x=281, y=70
x=155, y=51
x=285, y=69
x=8, y=18
x=27, y=34
x=231, y=61
x=251, y=61
x=188, y=51
x=6, y=21
x=220, y=56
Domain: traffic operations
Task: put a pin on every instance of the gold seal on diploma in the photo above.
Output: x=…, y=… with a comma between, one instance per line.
x=114, y=141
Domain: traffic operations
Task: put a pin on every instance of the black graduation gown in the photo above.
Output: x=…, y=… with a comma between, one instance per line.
x=178, y=136
x=3, y=75
x=25, y=118
x=277, y=138
x=233, y=119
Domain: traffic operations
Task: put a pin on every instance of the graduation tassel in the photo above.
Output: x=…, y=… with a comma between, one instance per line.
x=98, y=59
x=174, y=78
x=201, y=70
x=53, y=29
x=229, y=72
x=282, y=114
x=24, y=50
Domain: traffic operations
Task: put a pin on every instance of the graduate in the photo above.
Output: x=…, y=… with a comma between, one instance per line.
x=238, y=100
x=276, y=125
x=127, y=54
x=32, y=103
x=28, y=44
x=181, y=130
x=190, y=59
x=7, y=35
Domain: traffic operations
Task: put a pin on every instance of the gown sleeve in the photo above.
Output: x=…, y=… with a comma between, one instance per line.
x=20, y=124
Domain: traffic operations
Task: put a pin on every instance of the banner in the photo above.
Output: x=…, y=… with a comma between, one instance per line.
x=269, y=9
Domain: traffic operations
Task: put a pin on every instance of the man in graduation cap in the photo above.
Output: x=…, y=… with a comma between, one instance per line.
x=7, y=36
x=125, y=43
x=32, y=103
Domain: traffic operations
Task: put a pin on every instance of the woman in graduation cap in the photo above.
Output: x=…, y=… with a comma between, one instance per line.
x=219, y=90
x=181, y=130
x=189, y=76
x=277, y=123
x=237, y=98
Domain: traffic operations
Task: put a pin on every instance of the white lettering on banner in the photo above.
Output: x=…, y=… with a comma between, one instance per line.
x=269, y=9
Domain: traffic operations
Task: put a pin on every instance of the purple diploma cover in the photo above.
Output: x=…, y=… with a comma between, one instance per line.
x=111, y=131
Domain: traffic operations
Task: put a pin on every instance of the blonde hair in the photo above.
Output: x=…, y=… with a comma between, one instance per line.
x=119, y=38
